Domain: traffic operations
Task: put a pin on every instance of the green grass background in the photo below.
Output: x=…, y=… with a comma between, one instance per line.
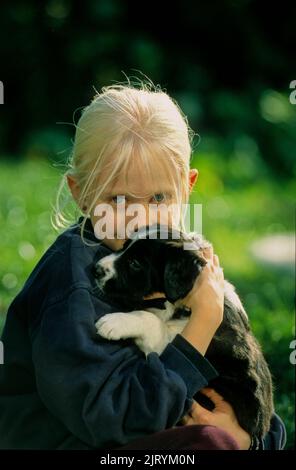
x=241, y=202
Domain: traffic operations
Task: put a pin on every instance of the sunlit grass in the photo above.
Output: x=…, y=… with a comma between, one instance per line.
x=26, y=193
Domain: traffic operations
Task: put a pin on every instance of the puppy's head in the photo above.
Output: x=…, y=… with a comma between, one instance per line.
x=152, y=260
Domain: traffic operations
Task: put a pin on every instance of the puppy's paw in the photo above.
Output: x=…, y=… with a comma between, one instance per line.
x=110, y=326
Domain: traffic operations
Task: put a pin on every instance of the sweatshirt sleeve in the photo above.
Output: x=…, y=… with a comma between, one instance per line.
x=275, y=439
x=108, y=393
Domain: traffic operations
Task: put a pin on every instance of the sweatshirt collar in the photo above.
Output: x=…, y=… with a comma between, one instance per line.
x=88, y=232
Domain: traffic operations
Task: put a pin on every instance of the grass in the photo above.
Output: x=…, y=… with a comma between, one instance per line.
x=240, y=204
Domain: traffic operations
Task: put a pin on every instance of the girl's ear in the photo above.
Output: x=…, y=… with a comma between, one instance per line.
x=193, y=175
x=74, y=187
x=181, y=270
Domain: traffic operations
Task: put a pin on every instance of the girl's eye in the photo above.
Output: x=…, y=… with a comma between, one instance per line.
x=134, y=264
x=118, y=199
x=159, y=197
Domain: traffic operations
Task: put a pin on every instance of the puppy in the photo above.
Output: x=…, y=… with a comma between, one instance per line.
x=160, y=259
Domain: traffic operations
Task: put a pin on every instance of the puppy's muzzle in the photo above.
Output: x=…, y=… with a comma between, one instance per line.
x=105, y=270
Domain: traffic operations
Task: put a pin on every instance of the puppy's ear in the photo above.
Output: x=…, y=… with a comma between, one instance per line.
x=182, y=268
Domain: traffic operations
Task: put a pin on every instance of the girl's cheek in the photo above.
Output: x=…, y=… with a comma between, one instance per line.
x=169, y=215
x=119, y=225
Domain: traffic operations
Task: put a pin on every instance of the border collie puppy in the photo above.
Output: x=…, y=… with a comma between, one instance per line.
x=161, y=259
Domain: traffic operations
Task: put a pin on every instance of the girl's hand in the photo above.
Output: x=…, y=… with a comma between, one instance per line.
x=222, y=416
x=206, y=298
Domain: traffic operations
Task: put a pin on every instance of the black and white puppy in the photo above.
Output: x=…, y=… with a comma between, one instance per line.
x=154, y=259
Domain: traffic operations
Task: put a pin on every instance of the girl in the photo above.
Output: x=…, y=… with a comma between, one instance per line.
x=64, y=387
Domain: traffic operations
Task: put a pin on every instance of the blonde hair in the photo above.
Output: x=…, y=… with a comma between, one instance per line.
x=126, y=121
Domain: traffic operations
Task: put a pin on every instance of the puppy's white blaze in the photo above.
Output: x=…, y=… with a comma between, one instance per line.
x=107, y=263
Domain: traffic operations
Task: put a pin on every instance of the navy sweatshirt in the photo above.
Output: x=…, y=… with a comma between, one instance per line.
x=62, y=386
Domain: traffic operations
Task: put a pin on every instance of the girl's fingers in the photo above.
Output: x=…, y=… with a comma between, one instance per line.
x=196, y=408
x=216, y=260
x=212, y=267
x=212, y=395
x=189, y=421
x=199, y=414
x=221, y=406
x=208, y=252
x=217, y=267
x=186, y=420
x=220, y=273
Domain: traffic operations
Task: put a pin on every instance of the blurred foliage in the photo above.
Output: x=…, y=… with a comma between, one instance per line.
x=229, y=64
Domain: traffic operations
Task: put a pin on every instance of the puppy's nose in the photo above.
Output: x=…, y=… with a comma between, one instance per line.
x=99, y=271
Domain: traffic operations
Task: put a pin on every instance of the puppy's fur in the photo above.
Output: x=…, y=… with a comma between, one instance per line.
x=147, y=265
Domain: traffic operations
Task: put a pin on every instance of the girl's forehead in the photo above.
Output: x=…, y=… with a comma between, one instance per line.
x=139, y=181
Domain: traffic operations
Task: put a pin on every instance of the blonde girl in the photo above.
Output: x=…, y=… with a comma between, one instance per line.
x=64, y=387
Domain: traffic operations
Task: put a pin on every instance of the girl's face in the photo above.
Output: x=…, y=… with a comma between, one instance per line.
x=142, y=201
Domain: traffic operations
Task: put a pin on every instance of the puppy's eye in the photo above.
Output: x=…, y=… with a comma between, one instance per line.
x=134, y=264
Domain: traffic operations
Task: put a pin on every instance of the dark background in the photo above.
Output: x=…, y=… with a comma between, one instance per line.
x=218, y=57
